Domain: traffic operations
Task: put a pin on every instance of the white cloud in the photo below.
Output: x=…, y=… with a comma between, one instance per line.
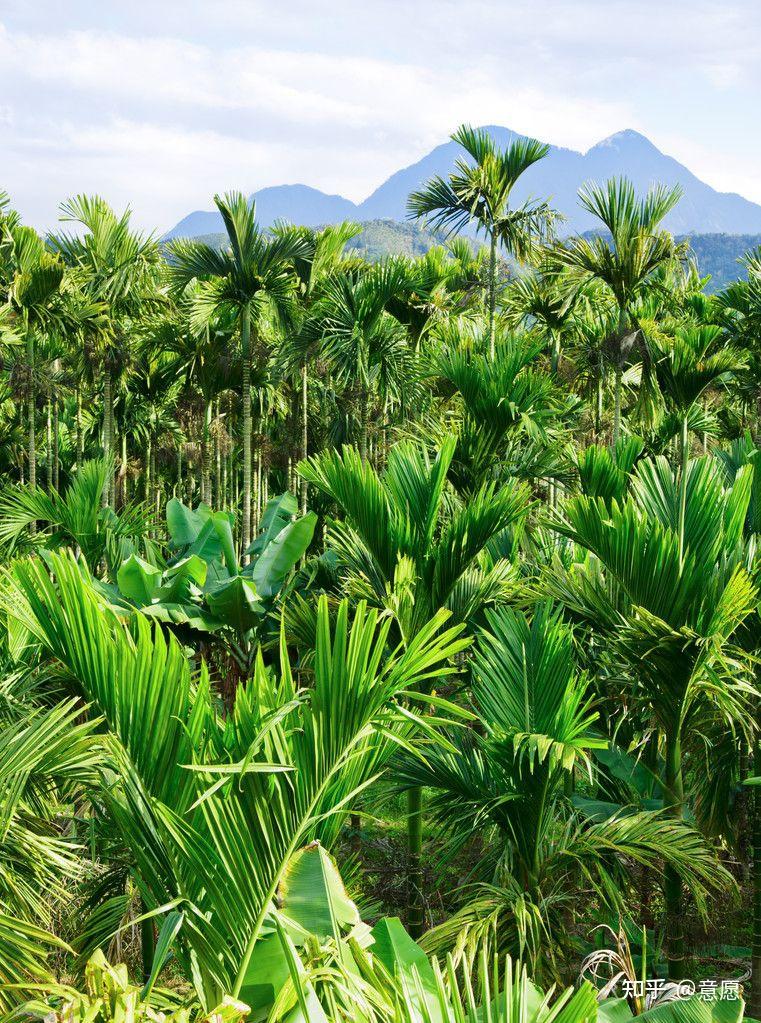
x=165, y=104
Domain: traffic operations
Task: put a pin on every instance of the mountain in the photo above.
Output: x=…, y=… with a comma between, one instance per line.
x=558, y=177
x=299, y=204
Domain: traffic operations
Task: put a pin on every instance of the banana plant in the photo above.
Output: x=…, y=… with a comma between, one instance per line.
x=204, y=588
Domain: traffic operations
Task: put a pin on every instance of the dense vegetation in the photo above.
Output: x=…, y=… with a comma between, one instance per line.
x=339, y=590
x=717, y=256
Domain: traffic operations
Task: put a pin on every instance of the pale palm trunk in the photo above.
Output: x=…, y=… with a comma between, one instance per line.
x=49, y=443
x=56, y=446
x=206, y=446
x=304, y=431
x=107, y=435
x=492, y=296
x=80, y=433
x=246, y=396
x=673, y=805
x=31, y=411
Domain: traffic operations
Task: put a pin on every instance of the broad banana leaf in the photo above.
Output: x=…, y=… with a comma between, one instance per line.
x=311, y=901
x=279, y=557
x=235, y=603
x=278, y=513
x=138, y=580
x=685, y=1010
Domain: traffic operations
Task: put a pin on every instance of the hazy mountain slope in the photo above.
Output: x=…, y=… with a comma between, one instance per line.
x=716, y=254
x=558, y=177
x=299, y=204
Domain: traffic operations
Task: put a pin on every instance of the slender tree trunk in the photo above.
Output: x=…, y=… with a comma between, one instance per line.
x=617, y=408
x=49, y=443
x=178, y=485
x=80, y=435
x=673, y=804
x=124, y=468
x=147, y=473
x=363, y=414
x=304, y=430
x=206, y=451
x=147, y=945
x=492, y=295
x=246, y=395
x=555, y=348
x=218, y=461
x=107, y=435
x=684, y=460
x=415, y=905
x=56, y=446
x=31, y=411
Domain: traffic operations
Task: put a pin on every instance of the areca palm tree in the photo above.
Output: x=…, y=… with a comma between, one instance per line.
x=406, y=548
x=215, y=811
x=46, y=753
x=480, y=191
x=626, y=260
x=697, y=358
x=252, y=276
x=33, y=289
x=676, y=593
x=114, y=266
x=509, y=784
x=363, y=344
x=324, y=251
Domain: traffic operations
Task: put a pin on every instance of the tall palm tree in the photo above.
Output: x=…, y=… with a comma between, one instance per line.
x=33, y=293
x=324, y=252
x=626, y=259
x=251, y=276
x=686, y=366
x=480, y=191
x=407, y=547
x=365, y=347
x=114, y=266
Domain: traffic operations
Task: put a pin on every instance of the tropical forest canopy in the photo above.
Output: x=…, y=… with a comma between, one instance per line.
x=379, y=634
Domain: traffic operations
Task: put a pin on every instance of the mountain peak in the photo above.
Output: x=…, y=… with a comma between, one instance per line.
x=627, y=137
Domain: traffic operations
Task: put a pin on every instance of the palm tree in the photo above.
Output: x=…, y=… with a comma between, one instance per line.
x=74, y=518
x=114, y=266
x=675, y=596
x=363, y=344
x=211, y=857
x=252, y=277
x=696, y=359
x=627, y=260
x=324, y=252
x=34, y=284
x=407, y=548
x=508, y=781
x=46, y=753
x=480, y=192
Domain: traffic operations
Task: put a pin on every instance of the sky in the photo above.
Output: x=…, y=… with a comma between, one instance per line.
x=161, y=104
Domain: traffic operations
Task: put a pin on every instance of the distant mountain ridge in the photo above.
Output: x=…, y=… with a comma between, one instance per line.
x=716, y=255
x=702, y=209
